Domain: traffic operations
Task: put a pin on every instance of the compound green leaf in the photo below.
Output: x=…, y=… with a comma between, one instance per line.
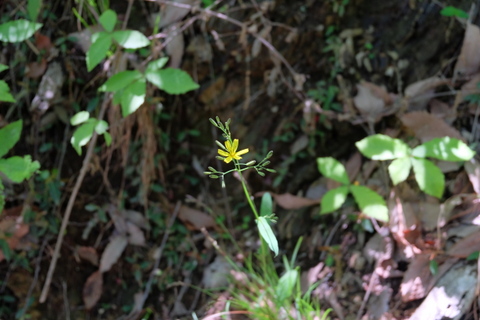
x=131, y=39
x=108, y=19
x=267, y=234
x=33, y=9
x=429, y=177
x=18, y=30
x=9, y=136
x=101, y=42
x=266, y=207
x=333, y=199
x=133, y=97
x=172, y=81
x=83, y=134
x=399, y=169
x=446, y=148
x=5, y=94
x=333, y=169
x=370, y=202
x=79, y=117
x=17, y=168
x=120, y=80
x=382, y=147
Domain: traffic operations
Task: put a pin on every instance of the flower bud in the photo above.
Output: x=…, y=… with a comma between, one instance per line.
x=212, y=169
x=262, y=174
x=213, y=122
x=213, y=176
x=251, y=163
x=269, y=154
x=220, y=145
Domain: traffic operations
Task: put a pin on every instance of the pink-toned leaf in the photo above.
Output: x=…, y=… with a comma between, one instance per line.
x=89, y=254
x=291, y=202
x=468, y=62
x=36, y=69
x=92, y=290
x=135, y=235
x=473, y=169
x=113, y=251
x=371, y=99
x=427, y=127
x=195, y=219
x=466, y=246
x=416, y=279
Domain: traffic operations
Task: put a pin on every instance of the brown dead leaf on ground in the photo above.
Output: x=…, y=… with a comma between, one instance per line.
x=416, y=279
x=473, y=170
x=427, y=127
x=171, y=14
x=113, y=251
x=442, y=110
x=195, y=219
x=466, y=246
x=290, y=202
x=468, y=62
x=88, y=253
x=36, y=69
x=419, y=93
x=15, y=230
x=92, y=290
x=371, y=100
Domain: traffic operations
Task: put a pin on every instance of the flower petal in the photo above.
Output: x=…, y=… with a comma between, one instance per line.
x=235, y=146
x=239, y=153
x=228, y=145
x=223, y=153
x=227, y=160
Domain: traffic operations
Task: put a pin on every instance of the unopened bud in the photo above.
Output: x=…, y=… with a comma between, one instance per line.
x=213, y=176
x=207, y=172
x=260, y=173
x=266, y=163
x=220, y=145
x=251, y=163
x=269, y=154
x=213, y=122
x=271, y=170
x=212, y=169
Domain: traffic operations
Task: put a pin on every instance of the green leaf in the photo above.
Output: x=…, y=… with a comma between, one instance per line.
x=17, y=168
x=5, y=94
x=286, y=284
x=333, y=169
x=108, y=19
x=370, y=202
x=2, y=198
x=18, y=30
x=133, y=97
x=101, y=127
x=9, y=136
x=79, y=117
x=82, y=135
x=266, y=207
x=33, y=9
x=382, y=147
x=131, y=39
x=267, y=234
x=120, y=80
x=157, y=64
x=399, y=169
x=446, y=148
x=333, y=199
x=433, y=267
x=108, y=138
x=5, y=248
x=101, y=42
x=3, y=67
x=450, y=11
x=172, y=81
x=429, y=177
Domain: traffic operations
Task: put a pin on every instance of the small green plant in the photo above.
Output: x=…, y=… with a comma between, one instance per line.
x=228, y=152
x=450, y=11
x=339, y=6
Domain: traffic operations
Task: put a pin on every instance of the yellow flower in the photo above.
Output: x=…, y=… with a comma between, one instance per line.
x=231, y=151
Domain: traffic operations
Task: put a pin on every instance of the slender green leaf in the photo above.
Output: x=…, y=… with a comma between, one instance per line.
x=79, y=117
x=101, y=42
x=108, y=19
x=5, y=248
x=131, y=39
x=2, y=197
x=33, y=9
x=370, y=202
x=9, y=136
x=83, y=134
x=450, y=11
x=157, y=64
x=5, y=94
x=17, y=168
x=429, y=177
x=172, y=81
x=267, y=234
x=18, y=30
x=433, y=267
x=120, y=80
x=286, y=284
x=333, y=199
x=399, y=169
x=446, y=148
x=133, y=97
x=266, y=207
x=382, y=147
x=333, y=169
x=108, y=138
x=3, y=67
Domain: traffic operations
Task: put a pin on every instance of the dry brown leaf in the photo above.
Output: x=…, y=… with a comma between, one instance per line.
x=112, y=252
x=473, y=170
x=89, y=254
x=175, y=47
x=290, y=202
x=427, y=127
x=36, y=69
x=419, y=93
x=92, y=290
x=466, y=246
x=257, y=45
x=135, y=235
x=416, y=279
x=468, y=62
x=299, y=144
x=195, y=219
x=370, y=100
x=136, y=218
x=171, y=14
x=16, y=228
x=442, y=110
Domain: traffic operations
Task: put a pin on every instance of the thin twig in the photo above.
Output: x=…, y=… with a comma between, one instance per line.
x=71, y=202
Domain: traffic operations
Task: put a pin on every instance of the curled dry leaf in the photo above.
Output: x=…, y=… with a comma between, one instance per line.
x=468, y=62
x=290, y=202
x=473, y=170
x=371, y=100
x=195, y=219
x=92, y=290
x=135, y=235
x=427, y=127
x=419, y=93
x=113, y=251
x=89, y=254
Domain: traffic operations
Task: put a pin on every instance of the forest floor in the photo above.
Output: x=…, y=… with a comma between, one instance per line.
x=305, y=79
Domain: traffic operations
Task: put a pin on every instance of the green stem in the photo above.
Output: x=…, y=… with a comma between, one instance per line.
x=245, y=190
